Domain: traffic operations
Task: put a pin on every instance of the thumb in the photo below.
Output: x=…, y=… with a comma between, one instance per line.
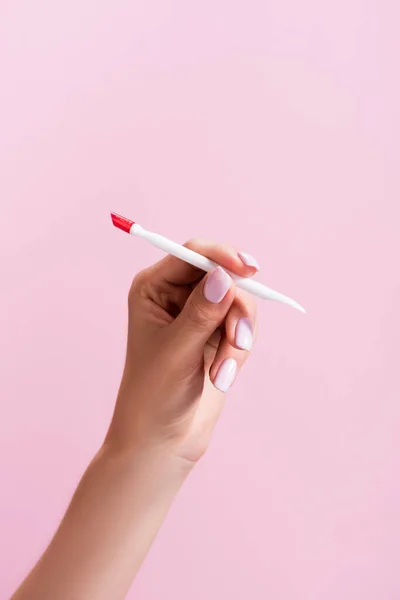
x=205, y=309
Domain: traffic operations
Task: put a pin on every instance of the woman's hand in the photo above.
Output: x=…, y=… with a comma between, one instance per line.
x=188, y=336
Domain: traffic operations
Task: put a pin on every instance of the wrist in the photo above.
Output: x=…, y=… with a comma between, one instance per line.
x=148, y=460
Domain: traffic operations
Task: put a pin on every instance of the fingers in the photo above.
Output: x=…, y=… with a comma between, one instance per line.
x=226, y=365
x=214, y=301
x=240, y=322
x=204, y=311
x=177, y=271
x=236, y=343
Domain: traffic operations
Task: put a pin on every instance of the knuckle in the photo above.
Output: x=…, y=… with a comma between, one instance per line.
x=225, y=252
x=196, y=243
x=222, y=248
x=137, y=285
x=252, y=310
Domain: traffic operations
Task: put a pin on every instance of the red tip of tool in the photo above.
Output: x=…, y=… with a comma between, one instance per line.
x=122, y=222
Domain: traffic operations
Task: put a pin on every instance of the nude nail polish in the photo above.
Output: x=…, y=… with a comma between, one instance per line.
x=226, y=375
x=249, y=260
x=244, y=334
x=217, y=285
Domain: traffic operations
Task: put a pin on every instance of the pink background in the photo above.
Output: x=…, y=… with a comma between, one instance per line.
x=271, y=124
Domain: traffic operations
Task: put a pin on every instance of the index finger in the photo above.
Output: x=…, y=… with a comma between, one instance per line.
x=178, y=272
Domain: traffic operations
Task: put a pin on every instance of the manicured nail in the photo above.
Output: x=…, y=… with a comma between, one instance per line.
x=244, y=334
x=226, y=375
x=249, y=260
x=216, y=286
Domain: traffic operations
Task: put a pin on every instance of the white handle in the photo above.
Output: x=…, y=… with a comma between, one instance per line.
x=197, y=260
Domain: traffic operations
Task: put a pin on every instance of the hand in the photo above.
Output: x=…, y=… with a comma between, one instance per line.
x=188, y=336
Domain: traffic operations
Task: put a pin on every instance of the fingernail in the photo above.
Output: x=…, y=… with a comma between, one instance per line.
x=244, y=334
x=216, y=286
x=249, y=260
x=226, y=375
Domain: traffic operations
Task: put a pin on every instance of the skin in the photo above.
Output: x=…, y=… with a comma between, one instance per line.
x=166, y=410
